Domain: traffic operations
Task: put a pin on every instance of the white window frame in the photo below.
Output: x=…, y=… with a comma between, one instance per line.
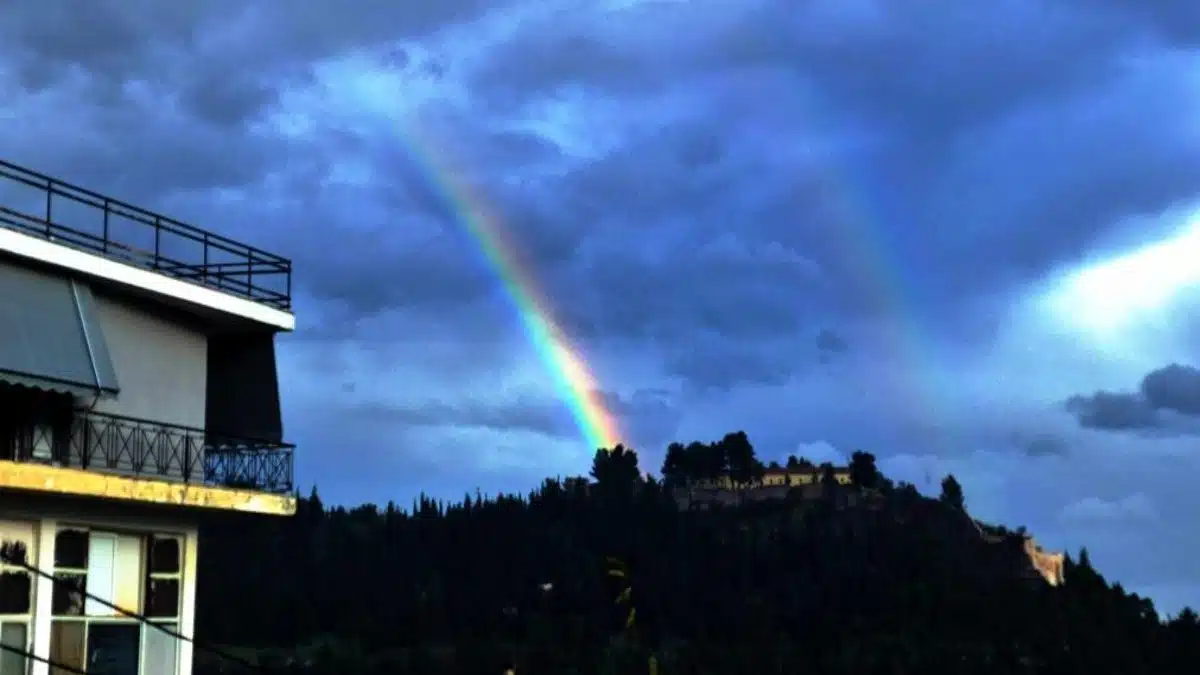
x=25, y=619
x=144, y=627
x=174, y=622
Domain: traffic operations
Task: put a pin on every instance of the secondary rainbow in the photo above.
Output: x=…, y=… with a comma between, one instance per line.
x=572, y=377
x=865, y=238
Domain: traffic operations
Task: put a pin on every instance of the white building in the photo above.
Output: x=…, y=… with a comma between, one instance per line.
x=138, y=395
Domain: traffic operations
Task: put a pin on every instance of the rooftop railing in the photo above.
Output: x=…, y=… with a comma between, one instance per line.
x=135, y=236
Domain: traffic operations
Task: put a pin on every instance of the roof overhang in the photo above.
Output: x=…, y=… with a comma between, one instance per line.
x=60, y=255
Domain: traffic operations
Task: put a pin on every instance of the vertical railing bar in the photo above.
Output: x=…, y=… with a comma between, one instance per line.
x=107, y=213
x=157, y=241
x=249, y=272
x=49, y=207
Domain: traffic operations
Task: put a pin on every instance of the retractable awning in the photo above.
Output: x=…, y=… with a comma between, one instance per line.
x=49, y=335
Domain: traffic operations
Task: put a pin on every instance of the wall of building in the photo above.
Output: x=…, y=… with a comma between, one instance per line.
x=775, y=479
x=161, y=364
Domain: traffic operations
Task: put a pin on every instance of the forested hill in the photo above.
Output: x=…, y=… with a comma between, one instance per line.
x=866, y=578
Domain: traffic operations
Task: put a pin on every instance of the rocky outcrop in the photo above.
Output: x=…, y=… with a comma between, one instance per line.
x=1048, y=565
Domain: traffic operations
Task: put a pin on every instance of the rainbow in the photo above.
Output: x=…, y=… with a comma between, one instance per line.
x=572, y=378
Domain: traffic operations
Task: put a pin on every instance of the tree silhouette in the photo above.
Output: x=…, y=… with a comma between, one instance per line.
x=894, y=584
x=952, y=493
x=863, y=472
x=675, y=469
x=740, y=460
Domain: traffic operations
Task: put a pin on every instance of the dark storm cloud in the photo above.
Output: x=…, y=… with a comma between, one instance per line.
x=1113, y=411
x=1175, y=387
x=649, y=418
x=712, y=363
x=647, y=415
x=776, y=169
x=1046, y=446
x=973, y=144
x=117, y=41
x=543, y=417
x=830, y=342
x=1168, y=399
x=1177, y=21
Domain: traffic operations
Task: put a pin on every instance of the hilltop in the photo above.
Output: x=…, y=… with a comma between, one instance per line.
x=859, y=577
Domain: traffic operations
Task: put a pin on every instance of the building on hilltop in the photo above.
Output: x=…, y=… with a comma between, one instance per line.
x=773, y=477
x=138, y=393
x=803, y=476
x=802, y=482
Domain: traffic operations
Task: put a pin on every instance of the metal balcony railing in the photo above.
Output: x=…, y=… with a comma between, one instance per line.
x=144, y=449
x=38, y=205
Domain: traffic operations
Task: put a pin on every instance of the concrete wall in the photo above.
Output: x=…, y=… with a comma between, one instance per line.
x=161, y=365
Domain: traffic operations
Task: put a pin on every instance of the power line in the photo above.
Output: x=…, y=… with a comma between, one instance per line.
x=13, y=554
x=53, y=664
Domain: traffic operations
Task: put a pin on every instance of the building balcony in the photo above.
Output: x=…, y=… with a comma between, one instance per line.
x=39, y=206
x=110, y=456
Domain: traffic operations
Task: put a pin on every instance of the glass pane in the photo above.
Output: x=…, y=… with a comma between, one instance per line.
x=162, y=598
x=13, y=552
x=66, y=645
x=162, y=651
x=18, y=537
x=71, y=549
x=12, y=635
x=129, y=573
x=102, y=560
x=68, y=594
x=15, y=592
x=164, y=555
x=113, y=648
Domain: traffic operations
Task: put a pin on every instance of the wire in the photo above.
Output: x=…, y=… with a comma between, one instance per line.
x=53, y=664
x=13, y=555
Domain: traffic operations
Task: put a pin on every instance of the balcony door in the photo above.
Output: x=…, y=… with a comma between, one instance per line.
x=135, y=571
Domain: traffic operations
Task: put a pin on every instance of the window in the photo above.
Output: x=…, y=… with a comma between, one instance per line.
x=164, y=576
x=16, y=598
x=139, y=573
x=164, y=579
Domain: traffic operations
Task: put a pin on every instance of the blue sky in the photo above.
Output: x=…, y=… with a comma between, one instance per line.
x=953, y=236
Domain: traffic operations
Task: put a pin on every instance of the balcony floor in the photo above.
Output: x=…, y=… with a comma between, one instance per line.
x=46, y=479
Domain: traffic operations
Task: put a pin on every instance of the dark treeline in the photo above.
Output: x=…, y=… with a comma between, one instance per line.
x=609, y=575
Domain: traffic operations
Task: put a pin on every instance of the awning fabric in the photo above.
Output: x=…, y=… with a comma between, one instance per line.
x=49, y=335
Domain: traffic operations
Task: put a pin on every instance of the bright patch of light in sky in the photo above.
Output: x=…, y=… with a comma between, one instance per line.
x=1128, y=295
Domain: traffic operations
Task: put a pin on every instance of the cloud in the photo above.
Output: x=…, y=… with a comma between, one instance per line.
x=543, y=417
x=763, y=231
x=1043, y=446
x=1169, y=398
x=1113, y=411
x=830, y=342
x=1093, y=510
x=648, y=417
x=1174, y=387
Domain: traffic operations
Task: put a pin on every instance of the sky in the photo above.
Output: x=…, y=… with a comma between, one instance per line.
x=954, y=235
